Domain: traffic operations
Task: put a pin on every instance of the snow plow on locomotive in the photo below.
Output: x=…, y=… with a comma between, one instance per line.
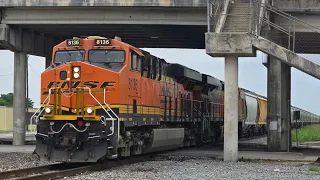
x=103, y=98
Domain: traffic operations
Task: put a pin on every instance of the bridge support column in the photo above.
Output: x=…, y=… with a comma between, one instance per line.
x=48, y=60
x=231, y=109
x=19, y=98
x=231, y=46
x=279, y=102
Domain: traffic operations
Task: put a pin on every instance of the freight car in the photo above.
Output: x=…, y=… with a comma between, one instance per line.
x=103, y=98
x=254, y=119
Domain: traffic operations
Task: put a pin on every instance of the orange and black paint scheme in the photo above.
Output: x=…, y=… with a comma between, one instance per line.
x=103, y=98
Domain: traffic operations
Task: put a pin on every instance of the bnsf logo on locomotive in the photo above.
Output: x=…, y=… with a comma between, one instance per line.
x=90, y=84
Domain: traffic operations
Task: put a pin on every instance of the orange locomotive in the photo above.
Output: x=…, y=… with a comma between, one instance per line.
x=102, y=98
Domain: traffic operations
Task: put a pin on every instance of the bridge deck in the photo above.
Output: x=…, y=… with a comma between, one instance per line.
x=168, y=3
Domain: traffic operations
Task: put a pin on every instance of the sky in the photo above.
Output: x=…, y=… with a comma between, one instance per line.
x=252, y=74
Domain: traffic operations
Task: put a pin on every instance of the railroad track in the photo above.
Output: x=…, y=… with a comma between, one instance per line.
x=61, y=170
x=55, y=171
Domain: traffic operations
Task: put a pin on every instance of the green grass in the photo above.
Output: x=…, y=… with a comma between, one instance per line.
x=314, y=168
x=3, y=131
x=307, y=133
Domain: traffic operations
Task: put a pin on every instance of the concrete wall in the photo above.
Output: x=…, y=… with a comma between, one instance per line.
x=104, y=3
x=107, y=15
x=6, y=118
x=297, y=5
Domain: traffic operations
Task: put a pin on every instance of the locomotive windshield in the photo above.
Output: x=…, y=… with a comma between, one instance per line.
x=106, y=56
x=67, y=56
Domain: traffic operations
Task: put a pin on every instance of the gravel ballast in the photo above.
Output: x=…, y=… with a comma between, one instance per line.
x=11, y=161
x=178, y=168
x=202, y=168
x=259, y=140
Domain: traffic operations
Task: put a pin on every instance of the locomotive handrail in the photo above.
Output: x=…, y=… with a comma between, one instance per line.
x=71, y=125
x=104, y=101
x=112, y=131
x=48, y=97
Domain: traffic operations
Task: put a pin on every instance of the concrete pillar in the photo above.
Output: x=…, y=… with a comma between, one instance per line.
x=231, y=109
x=19, y=98
x=286, y=143
x=279, y=95
x=48, y=60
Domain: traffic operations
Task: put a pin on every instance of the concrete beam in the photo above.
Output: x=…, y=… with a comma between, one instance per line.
x=287, y=57
x=297, y=5
x=224, y=44
x=107, y=15
x=165, y=3
x=19, y=40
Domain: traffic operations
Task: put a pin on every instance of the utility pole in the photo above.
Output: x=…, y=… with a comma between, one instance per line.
x=27, y=89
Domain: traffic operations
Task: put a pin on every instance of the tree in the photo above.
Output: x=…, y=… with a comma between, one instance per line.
x=3, y=102
x=7, y=100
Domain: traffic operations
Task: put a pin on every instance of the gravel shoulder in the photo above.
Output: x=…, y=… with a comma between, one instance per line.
x=11, y=161
x=259, y=140
x=178, y=168
x=203, y=168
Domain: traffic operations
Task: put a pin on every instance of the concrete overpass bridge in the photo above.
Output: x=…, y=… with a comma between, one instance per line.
x=34, y=27
x=154, y=24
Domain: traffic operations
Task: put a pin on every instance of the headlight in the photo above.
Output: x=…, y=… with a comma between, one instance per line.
x=76, y=75
x=89, y=110
x=76, y=69
x=48, y=110
x=76, y=72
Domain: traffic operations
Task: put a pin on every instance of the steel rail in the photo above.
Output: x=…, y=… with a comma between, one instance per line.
x=55, y=171
x=26, y=171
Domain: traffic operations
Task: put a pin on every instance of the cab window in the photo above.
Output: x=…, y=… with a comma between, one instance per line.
x=67, y=56
x=106, y=56
x=135, y=61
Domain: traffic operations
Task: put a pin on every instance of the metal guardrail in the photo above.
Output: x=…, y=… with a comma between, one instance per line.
x=263, y=20
x=287, y=28
x=214, y=11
